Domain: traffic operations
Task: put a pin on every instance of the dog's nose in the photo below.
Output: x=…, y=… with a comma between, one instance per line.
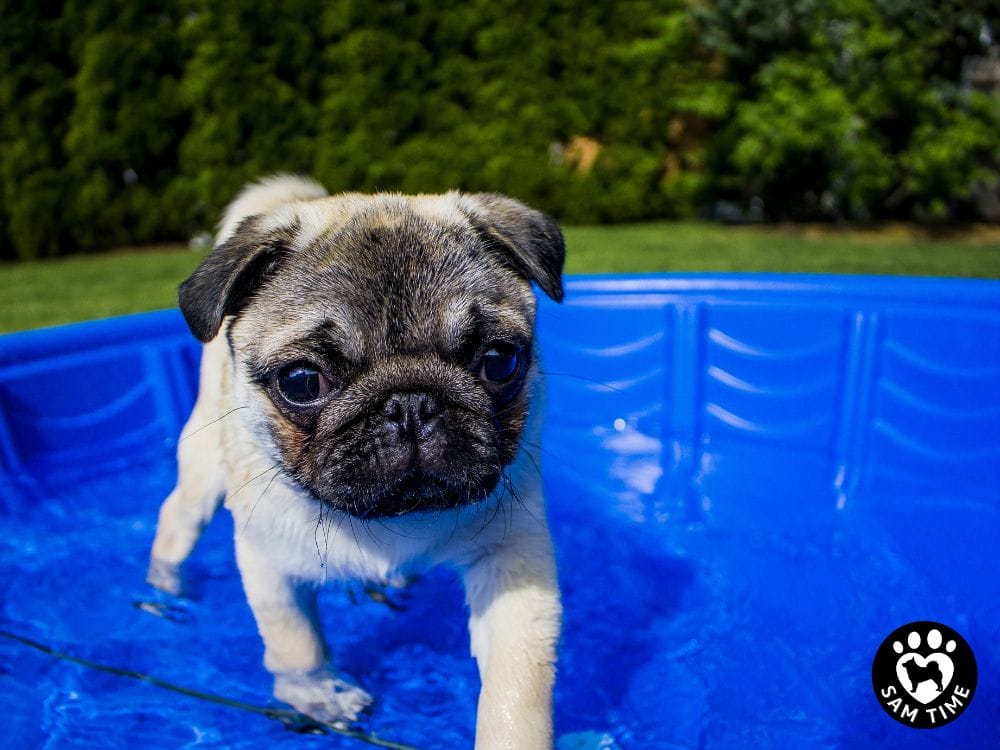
x=413, y=414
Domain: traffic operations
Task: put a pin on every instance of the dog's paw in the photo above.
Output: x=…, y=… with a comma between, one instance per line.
x=165, y=576
x=163, y=607
x=322, y=696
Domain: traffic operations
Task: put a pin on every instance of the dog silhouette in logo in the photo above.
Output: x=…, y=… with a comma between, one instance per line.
x=917, y=674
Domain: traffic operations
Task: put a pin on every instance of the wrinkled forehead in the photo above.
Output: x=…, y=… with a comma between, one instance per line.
x=391, y=280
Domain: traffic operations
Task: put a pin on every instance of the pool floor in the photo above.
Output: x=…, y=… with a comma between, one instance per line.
x=709, y=617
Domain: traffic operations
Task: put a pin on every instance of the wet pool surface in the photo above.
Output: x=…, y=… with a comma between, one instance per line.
x=677, y=633
x=720, y=589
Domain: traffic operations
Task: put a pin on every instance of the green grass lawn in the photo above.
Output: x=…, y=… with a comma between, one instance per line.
x=78, y=288
x=694, y=246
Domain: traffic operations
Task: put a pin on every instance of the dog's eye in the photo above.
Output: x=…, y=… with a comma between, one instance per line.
x=499, y=363
x=300, y=383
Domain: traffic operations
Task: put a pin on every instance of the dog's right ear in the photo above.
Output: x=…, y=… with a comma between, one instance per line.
x=223, y=282
x=528, y=240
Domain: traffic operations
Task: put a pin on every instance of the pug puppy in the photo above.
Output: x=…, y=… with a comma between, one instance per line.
x=369, y=406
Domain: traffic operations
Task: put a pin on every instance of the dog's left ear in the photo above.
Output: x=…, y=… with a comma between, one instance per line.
x=529, y=240
x=225, y=280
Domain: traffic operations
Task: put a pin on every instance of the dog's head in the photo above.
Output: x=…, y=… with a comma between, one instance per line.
x=383, y=344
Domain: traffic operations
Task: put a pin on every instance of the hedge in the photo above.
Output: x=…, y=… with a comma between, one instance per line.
x=134, y=122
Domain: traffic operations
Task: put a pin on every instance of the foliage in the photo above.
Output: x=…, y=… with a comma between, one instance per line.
x=133, y=122
x=853, y=108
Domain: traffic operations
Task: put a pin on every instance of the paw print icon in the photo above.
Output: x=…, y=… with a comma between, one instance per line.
x=924, y=674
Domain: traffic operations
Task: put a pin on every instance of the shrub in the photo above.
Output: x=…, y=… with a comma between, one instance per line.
x=133, y=122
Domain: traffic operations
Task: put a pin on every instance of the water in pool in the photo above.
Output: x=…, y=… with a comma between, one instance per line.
x=689, y=623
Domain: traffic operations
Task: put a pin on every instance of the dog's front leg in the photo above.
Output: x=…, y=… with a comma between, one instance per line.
x=294, y=649
x=515, y=617
x=191, y=505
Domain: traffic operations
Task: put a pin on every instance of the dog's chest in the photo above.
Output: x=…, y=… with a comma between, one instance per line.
x=304, y=539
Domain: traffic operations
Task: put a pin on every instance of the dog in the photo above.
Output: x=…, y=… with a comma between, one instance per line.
x=370, y=360
x=917, y=674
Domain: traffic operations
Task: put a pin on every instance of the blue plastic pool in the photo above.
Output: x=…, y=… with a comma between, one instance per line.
x=751, y=480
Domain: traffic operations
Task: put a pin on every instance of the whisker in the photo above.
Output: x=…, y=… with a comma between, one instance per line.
x=531, y=458
x=343, y=517
x=509, y=407
x=354, y=533
x=519, y=501
x=368, y=529
x=581, y=377
x=508, y=517
x=319, y=522
x=326, y=535
x=253, y=479
x=549, y=455
x=214, y=421
x=489, y=521
x=261, y=495
x=391, y=530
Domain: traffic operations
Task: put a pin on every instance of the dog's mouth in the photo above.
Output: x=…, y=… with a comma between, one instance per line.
x=417, y=491
x=413, y=492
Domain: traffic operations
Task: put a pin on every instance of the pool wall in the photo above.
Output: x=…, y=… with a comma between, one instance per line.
x=755, y=477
